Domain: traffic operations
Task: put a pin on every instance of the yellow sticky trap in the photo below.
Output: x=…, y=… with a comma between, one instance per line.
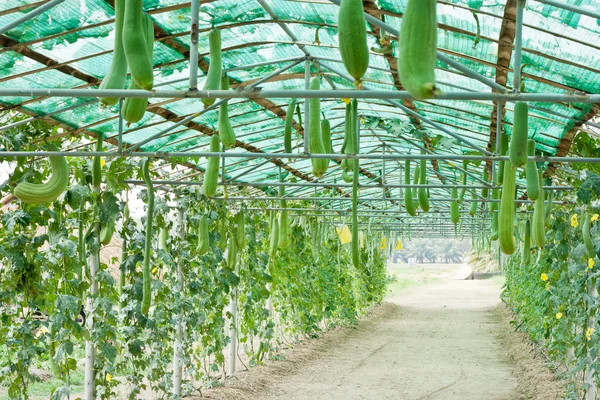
x=399, y=245
x=383, y=243
x=344, y=234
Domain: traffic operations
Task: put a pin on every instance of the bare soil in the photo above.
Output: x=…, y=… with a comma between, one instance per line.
x=445, y=340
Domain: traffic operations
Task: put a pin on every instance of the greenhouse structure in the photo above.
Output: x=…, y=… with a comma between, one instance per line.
x=188, y=188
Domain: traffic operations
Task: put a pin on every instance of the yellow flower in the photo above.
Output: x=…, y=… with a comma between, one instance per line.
x=595, y=217
x=346, y=100
x=102, y=161
x=154, y=271
x=362, y=121
x=399, y=245
x=559, y=315
x=41, y=331
x=109, y=377
x=591, y=263
x=383, y=243
x=548, y=286
x=589, y=332
x=544, y=277
x=574, y=221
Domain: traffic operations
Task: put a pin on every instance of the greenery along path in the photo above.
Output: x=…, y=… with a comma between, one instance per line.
x=434, y=341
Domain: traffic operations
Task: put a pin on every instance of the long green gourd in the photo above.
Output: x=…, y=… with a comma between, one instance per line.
x=422, y=192
x=347, y=128
x=548, y=207
x=41, y=193
x=240, y=235
x=107, y=230
x=485, y=178
x=326, y=134
x=463, y=190
x=223, y=233
x=355, y=251
x=454, y=211
x=408, y=198
x=494, y=235
x=147, y=279
x=533, y=189
x=503, y=151
x=315, y=142
x=287, y=130
x=203, y=236
x=416, y=178
x=162, y=238
x=117, y=73
x=346, y=176
x=586, y=235
x=473, y=209
x=226, y=132
x=211, y=175
x=517, y=151
x=215, y=69
x=495, y=196
x=97, y=163
x=506, y=219
x=352, y=33
x=418, y=48
x=284, y=222
x=135, y=38
x=538, y=234
x=232, y=253
x=135, y=108
x=526, y=256
x=274, y=240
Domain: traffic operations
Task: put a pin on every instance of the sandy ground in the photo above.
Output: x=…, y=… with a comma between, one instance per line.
x=444, y=340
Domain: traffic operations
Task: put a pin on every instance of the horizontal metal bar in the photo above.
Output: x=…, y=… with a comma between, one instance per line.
x=363, y=156
x=311, y=94
x=386, y=199
x=29, y=15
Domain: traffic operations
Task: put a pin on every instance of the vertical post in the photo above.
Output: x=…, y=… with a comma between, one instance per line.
x=120, y=138
x=383, y=180
x=194, y=45
x=306, y=106
x=499, y=126
x=178, y=346
x=518, y=46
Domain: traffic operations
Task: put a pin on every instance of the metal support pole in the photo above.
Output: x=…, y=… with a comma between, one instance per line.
x=499, y=133
x=571, y=7
x=306, y=108
x=29, y=15
x=194, y=45
x=518, y=46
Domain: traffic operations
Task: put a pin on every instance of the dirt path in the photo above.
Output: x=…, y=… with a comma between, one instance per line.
x=433, y=342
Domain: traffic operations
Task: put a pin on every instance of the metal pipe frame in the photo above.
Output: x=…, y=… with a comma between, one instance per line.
x=570, y=7
x=306, y=125
x=311, y=94
x=194, y=45
x=518, y=46
x=29, y=15
x=362, y=156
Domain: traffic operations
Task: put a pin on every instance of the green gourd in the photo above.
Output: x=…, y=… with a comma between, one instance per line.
x=533, y=190
x=422, y=192
x=352, y=145
x=587, y=237
x=473, y=209
x=347, y=128
x=507, y=210
x=346, y=176
x=135, y=44
x=135, y=108
x=106, y=232
x=326, y=134
x=408, y=197
x=117, y=73
x=162, y=239
x=418, y=48
x=352, y=33
x=147, y=279
x=485, y=178
x=97, y=164
x=495, y=196
x=494, y=235
x=355, y=251
x=517, y=151
x=287, y=130
x=223, y=234
x=454, y=211
x=315, y=142
x=215, y=69
x=274, y=240
x=41, y=193
x=240, y=234
x=503, y=151
x=284, y=222
x=232, y=253
x=463, y=182
x=211, y=175
x=526, y=256
x=538, y=234
x=203, y=237
x=548, y=207
x=226, y=132
x=416, y=182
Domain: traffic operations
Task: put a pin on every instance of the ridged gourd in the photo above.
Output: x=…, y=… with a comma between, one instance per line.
x=506, y=216
x=315, y=142
x=215, y=68
x=517, y=151
x=117, y=73
x=352, y=33
x=211, y=175
x=531, y=171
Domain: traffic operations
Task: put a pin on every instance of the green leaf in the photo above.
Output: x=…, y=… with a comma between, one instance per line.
x=590, y=189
